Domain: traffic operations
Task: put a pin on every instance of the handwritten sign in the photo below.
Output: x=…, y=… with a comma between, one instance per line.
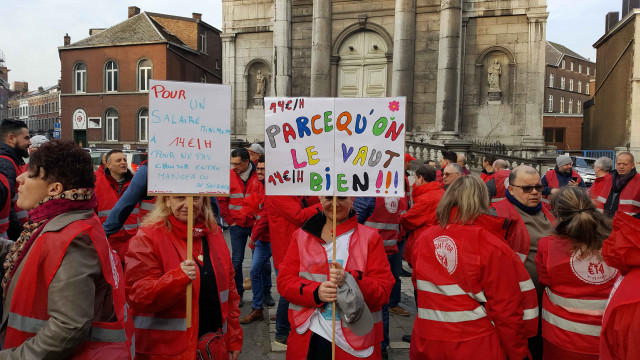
x=189, y=138
x=343, y=146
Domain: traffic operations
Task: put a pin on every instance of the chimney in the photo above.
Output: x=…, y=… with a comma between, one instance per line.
x=67, y=39
x=133, y=11
x=196, y=16
x=625, y=8
x=611, y=20
x=40, y=89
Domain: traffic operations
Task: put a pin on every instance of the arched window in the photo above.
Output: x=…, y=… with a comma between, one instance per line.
x=111, y=128
x=111, y=76
x=143, y=125
x=145, y=72
x=80, y=78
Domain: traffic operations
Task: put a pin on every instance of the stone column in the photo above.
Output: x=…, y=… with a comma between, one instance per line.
x=229, y=73
x=535, y=81
x=448, y=87
x=404, y=44
x=282, y=48
x=321, y=49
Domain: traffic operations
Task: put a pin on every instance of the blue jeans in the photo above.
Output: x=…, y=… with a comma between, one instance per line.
x=282, y=317
x=260, y=272
x=395, y=262
x=239, y=237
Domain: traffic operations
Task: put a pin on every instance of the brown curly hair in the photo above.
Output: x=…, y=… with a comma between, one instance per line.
x=63, y=161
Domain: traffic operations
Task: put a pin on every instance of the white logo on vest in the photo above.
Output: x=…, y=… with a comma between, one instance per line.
x=115, y=262
x=391, y=204
x=591, y=270
x=446, y=253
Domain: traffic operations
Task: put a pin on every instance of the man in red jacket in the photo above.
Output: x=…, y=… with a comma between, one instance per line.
x=602, y=168
x=243, y=175
x=286, y=214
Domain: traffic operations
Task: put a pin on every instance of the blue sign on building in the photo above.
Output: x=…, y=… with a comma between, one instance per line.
x=56, y=134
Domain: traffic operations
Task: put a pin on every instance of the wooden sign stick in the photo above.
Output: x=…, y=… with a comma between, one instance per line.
x=333, y=313
x=189, y=254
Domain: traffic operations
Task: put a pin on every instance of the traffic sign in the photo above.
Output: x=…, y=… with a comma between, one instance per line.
x=56, y=134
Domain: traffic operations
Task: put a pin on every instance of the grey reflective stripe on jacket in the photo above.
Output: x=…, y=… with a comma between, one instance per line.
x=389, y=242
x=572, y=326
x=147, y=206
x=156, y=323
x=313, y=277
x=452, y=316
x=497, y=199
x=32, y=325
x=576, y=304
x=382, y=226
x=448, y=290
x=224, y=296
x=103, y=213
x=236, y=196
x=235, y=207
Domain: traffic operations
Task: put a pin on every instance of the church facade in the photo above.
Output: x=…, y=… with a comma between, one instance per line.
x=470, y=69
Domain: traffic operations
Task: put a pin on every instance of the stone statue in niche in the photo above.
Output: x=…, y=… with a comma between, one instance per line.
x=260, y=84
x=493, y=75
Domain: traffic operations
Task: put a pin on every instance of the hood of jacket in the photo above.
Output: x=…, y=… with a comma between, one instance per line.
x=425, y=188
x=622, y=249
x=498, y=226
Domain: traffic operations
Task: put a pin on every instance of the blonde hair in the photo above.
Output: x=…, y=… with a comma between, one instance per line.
x=470, y=198
x=161, y=212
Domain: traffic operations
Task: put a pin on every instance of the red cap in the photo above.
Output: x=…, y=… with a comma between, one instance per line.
x=408, y=157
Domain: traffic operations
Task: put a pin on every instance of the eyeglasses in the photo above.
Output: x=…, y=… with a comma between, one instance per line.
x=450, y=174
x=259, y=169
x=528, y=188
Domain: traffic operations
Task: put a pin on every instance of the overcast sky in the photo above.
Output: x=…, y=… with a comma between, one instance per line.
x=32, y=30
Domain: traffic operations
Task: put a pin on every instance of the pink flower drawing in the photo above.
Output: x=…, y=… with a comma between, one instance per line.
x=394, y=105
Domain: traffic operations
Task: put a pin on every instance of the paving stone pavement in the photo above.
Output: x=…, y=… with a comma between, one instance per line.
x=258, y=336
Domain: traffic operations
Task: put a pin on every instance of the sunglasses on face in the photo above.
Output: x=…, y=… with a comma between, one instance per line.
x=528, y=188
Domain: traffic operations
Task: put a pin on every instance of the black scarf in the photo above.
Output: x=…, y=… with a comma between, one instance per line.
x=620, y=181
x=528, y=209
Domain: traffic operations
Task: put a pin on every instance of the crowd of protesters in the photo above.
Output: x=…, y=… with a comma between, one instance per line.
x=506, y=264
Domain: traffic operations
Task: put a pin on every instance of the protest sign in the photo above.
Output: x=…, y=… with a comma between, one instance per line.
x=189, y=138
x=327, y=146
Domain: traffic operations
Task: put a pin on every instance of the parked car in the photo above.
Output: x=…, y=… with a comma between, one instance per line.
x=135, y=159
x=584, y=167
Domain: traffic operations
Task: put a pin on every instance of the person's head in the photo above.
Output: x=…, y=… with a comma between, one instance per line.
x=564, y=164
x=470, y=198
x=425, y=174
x=448, y=157
x=255, y=150
x=117, y=163
x=450, y=173
x=462, y=160
x=15, y=133
x=177, y=206
x=407, y=161
x=625, y=162
x=58, y=166
x=579, y=220
x=602, y=166
x=104, y=159
x=487, y=160
x=240, y=160
x=525, y=185
x=500, y=165
x=260, y=168
x=36, y=141
x=430, y=162
x=344, y=205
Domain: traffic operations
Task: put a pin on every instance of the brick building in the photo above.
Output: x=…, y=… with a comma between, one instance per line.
x=105, y=76
x=39, y=109
x=566, y=90
x=4, y=88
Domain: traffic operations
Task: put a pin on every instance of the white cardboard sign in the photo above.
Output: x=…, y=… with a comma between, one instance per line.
x=189, y=138
x=342, y=146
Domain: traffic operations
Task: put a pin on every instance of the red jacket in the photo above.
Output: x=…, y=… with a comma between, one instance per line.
x=5, y=211
x=629, y=197
x=466, y=293
x=286, y=214
x=232, y=208
x=500, y=178
x=386, y=219
x=485, y=176
x=28, y=310
x=367, y=263
x=596, y=187
x=108, y=195
x=620, y=325
x=575, y=297
x=552, y=182
x=422, y=215
x=156, y=291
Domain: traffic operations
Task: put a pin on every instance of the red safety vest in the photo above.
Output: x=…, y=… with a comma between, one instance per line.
x=314, y=267
x=501, y=179
x=625, y=291
x=552, y=182
x=107, y=194
x=573, y=304
x=237, y=192
x=386, y=219
x=28, y=311
x=6, y=209
x=629, y=197
x=519, y=241
x=165, y=332
x=144, y=208
x=20, y=214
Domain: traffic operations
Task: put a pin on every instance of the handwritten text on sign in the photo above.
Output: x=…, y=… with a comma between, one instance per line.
x=326, y=146
x=189, y=138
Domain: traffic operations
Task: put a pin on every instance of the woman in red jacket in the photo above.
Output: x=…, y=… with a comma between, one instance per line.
x=311, y=285
x=577, y=279
x=156, y=280
x=469, y=299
